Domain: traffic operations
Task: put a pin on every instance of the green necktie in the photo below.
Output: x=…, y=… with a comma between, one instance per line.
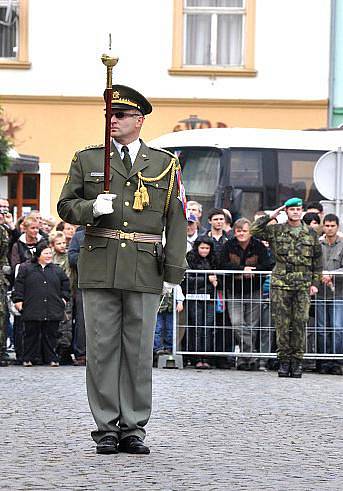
x=127, y=159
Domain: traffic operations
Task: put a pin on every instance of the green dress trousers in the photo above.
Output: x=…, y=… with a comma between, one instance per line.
x=120, y=328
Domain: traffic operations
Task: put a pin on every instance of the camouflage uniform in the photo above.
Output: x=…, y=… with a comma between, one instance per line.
x=298, y=265
x=3, y=290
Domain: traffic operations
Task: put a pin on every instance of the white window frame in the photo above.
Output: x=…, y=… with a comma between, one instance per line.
x=247, y=69
x=15, y=3
x=21, y=59
x=215, y=12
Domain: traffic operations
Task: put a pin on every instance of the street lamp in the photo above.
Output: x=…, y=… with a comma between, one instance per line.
x=193, y=121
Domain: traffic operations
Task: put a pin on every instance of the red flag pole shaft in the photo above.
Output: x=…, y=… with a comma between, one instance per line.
x=107, y=140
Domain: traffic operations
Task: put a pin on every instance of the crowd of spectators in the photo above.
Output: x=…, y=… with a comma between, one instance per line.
x=50, y=330
x=243, y=320
x=44, y=319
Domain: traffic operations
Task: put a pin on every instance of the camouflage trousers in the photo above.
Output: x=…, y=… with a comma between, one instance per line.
x=65, y=329
x=3, y=330
x=290, y=312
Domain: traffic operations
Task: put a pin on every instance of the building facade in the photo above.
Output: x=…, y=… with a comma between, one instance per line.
x=202, y=63
x=336, y=64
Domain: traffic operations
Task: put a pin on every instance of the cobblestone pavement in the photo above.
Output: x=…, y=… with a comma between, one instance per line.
x=210, y=430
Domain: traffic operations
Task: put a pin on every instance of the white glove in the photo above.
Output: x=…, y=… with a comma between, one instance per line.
x=168, y=287
x=103, y=204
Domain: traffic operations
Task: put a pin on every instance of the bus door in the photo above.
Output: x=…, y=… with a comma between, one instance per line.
x=254, y=172
x=204, y=174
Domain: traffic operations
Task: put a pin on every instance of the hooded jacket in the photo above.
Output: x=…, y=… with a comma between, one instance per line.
x=21, y=251
x=196, y=282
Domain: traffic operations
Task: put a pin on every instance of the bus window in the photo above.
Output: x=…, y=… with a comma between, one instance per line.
x=296, y=175
x=246, y=168
x=251, y=203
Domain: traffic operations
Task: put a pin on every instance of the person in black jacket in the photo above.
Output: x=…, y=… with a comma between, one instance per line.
x=22, y=250
x=244, y=291
x=201, y=313
x=41, y=290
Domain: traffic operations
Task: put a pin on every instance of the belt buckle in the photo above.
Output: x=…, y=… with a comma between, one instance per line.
x=126, y=235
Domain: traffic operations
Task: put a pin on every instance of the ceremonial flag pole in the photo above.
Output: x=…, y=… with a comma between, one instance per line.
x=109, y=62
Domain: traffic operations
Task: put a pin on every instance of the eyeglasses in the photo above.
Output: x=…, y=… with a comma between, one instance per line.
x=122, y=114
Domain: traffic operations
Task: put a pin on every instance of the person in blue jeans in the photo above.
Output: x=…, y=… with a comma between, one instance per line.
x=330, y=297
x=163, y=340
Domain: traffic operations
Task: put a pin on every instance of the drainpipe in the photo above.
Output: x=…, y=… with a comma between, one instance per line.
x=332, y=63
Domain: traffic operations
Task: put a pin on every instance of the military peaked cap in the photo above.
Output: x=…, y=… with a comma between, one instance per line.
x=293, y=202
x=124, y=97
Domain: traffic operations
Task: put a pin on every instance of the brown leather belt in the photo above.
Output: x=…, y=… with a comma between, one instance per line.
x=120, y=235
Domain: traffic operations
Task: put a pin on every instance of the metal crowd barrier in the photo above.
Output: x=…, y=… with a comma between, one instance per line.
x=234, y=318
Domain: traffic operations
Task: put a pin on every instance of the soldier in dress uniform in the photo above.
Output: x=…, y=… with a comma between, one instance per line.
x=296, y=276
x=123, y=266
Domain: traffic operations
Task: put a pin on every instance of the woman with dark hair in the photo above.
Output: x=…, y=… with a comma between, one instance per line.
x=41, y=290
x=312, y=219
x=200, y=314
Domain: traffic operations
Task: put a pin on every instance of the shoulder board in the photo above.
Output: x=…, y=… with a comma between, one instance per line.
x=89, y=147
x=165, y=151
x=93, y=146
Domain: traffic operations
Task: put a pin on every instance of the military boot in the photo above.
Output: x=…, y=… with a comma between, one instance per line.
x=296, y=369
x=284, y=368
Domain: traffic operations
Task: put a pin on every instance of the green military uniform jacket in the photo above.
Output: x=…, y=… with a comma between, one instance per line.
x=298, y=258
x=124, y=264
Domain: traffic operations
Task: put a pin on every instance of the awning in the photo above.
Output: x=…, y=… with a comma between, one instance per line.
x=29, y=164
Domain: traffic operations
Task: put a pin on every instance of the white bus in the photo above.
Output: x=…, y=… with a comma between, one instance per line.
x=249, y=169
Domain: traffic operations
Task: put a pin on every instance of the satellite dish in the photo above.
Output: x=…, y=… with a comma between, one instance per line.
x=328, y=175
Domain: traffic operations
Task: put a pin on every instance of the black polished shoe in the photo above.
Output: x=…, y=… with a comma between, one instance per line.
x=133, y=444
x=296, y=369
x=107, y=445
x=284, y=368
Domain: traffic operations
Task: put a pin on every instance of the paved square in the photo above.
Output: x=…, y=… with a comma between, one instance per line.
x=210, y=430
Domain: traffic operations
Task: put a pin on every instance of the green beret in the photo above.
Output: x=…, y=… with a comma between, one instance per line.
x=293, y=202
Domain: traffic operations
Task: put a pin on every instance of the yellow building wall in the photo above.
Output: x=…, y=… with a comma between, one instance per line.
x=53, y=128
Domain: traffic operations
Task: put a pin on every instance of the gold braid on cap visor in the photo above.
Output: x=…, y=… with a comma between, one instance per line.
x=125, y=101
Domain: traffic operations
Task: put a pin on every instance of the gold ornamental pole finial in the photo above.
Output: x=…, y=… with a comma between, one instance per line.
x=110, y=62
